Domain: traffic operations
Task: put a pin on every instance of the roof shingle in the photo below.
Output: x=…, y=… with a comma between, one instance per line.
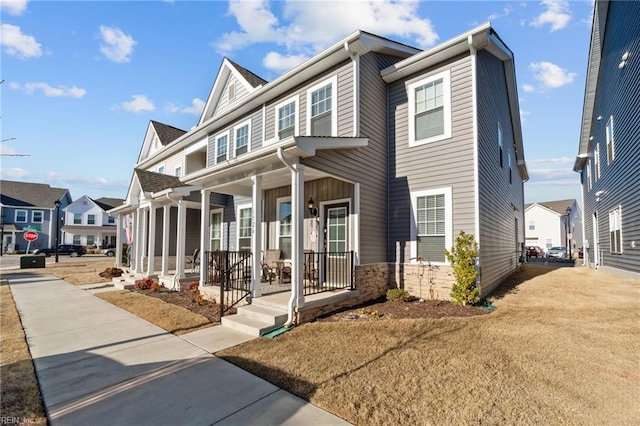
x=27, y=194
x=251, y=78
x=166, y=133
x=156, y=182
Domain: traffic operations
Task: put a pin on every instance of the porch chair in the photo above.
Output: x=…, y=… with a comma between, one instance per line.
x=273, y=266
x=194, y=261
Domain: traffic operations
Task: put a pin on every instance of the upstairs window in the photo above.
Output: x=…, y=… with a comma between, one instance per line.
x=611, y=152
x=589, y=183
x=615, y=231
x=500, y=145
x=21, y=216
x=37, y=216
x=111, y=220
x=286, y=120
x=321, y=102
x=77, y=219
x=596, y=161
x=242, y=139
x=221, y=148
x=161, y=169
x=178, y=171
x=430, y=109
x=91, y=219
x=532, y=225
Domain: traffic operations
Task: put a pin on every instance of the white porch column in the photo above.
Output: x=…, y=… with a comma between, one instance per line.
x=152, y=240
x=297, y=233
x=118, y=263
x=256, y=237
x=137, y=245
x=205, y=233
x=143, y=237
x=180, y=239
x=166, y=220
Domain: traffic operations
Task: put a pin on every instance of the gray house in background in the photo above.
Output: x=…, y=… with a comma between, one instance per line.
x=358, y=167
x=609, y=148
x=29, y=206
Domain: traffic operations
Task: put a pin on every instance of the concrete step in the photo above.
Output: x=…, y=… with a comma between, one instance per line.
x=263, y=314
x=269, y=302
x=247, y=325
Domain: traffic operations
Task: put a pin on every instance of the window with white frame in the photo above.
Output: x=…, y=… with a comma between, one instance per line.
x=91, y=219
x=611, y=152
x=589, y=183
x=21, y=216
x=221, y=148
x=532, y=225
x=111, y=220
x=77, y=240
x=286, y=119
x=509, y=165
x=37, y=216
x=321, y=102
x=91, y=239
x=430, y=109
x=161, y=169
x=77, y=219
x=242, y=138
x=596, y=161
x=244, y=228
x=284, y=227
x=500, y=144
x=615, y=231
x=432, y=231
x=178, y=171
x=216, y=230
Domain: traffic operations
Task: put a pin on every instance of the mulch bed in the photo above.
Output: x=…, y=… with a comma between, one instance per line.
x=187, y=299
x=381, y=309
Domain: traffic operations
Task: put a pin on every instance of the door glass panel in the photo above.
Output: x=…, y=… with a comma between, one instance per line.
x=216, y=231
x=337, y=229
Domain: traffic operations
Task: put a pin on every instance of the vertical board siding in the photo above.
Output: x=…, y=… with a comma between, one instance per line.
x=617, y=95
x=500, y=203
x=446, y=163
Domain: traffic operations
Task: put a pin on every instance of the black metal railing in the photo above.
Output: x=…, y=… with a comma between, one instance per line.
x=231, y=271
x=327, y=271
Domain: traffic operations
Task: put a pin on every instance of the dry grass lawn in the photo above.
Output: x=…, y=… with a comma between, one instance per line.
x=20, y=395
x=563, y=347
x=174, y=319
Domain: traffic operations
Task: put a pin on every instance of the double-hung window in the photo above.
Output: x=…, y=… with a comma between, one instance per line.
x=596, y=161
x=611, y=152
x=37, y=216
x=321, y=105
x=244, y=228
x=21, y=216
x=91, y=219
x=222, y=142
x=284, y=227
x=77, y=239
x=500, y=144
x=532, y=225
x=286, y=119
x=615, y=231
x=91, y=239
x=77, y=219
x=589, y=182
x=216, y=230
x=432, y=232
x=178, y=171
x=430, y=109
x=111, y=220
x=242, y=138
x=509, y=164
x=161, y=170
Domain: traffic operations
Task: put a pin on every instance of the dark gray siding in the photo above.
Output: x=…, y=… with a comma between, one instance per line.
x=446, y=163
x=617, y=95
x=500, y=203
x=192, y=240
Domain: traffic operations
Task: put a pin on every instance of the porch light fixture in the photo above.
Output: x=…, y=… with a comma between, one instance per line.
x=313, y=210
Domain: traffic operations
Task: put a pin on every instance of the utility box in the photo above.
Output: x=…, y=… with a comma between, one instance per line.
x=31, y=262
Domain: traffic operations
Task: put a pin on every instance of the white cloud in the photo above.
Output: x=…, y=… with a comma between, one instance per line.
x=49, y=91
x=550, y=161
x=551, y=75
x=18, y=44
x=506, y=11
x=117, y=46
x=557, y=15
x=13, y=7
x=528, y=88
x=277, y=62
x=306, y=27
x=197, y=105
x=139, y=103
x=13, y=173
x=552, y=171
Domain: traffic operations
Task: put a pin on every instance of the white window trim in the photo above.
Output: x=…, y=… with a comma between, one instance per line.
x=238, y=208
x=448, y=215
x=617, y=209
x=446, y=102
x=611, y=140
x=33, y=216
x=26, y=216
x=278, y=201
x=95, y=219
x=175, y=169
x=596, y=162
x=235, y=129
x=296, y=130
x=215, y=148
x=161, y=168
x=334, y=103
x=215, y=211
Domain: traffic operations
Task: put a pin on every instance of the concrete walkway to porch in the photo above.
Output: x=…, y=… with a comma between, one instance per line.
x=98, y=364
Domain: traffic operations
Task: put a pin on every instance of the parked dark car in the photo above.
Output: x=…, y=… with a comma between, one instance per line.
x=63, y=249
x=534, y=251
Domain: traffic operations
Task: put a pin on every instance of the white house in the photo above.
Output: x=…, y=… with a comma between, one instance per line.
x=87, y=223
x=553, y=224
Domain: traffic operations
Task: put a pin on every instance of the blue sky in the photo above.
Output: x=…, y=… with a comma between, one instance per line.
x=83, y=79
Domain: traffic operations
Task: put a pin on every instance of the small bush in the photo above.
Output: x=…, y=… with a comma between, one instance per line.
x=463, y=260
x=397, y=295
x=155, y=286
x=194, y=287
x=111, y=273
x=144, y=284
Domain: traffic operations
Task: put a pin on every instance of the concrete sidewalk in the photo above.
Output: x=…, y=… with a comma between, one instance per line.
x=98, y=364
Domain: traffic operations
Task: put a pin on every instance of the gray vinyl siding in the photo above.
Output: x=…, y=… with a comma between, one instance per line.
x=174, y=161
x=257, y=128
x=500, y=203
x=194, y=162
x=440, y=164
x=255, y=137
x=223, y=103
x=617, y=95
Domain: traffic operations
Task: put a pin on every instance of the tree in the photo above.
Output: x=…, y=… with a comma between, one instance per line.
x=463, y=260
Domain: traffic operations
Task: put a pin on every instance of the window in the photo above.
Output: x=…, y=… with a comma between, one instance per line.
x=589, y=184
x=77, y=219
x=500, y=144
x=430, y=109
x=37, y=216
x=286, y=120
x=432, y=232
x=178, y=171
x=21, y=216
x=549, y=243
x=76, y=240
x=615, y=230
x=90, y=240
x=321, y=101
x=216, y=230
x=611, y=153
x=221, y=148
x=111, y=220
x=509, y=164
x=284, y=227
x=91, y=219
x=161, y=169
x=244, y=228
x=596, y=161
x=242, y=138
x=532, y=225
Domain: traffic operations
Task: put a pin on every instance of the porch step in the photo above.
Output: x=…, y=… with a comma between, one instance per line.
x=125, y=281
x=263, y=314
x=255, y=320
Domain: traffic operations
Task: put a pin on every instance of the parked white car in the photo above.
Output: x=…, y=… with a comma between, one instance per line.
x=557, y=252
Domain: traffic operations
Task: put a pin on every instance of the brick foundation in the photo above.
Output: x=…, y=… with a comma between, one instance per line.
x=432, y=282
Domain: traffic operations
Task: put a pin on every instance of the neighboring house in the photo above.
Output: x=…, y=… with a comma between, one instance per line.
x=609, y=147
x=29, y=206
x=554, y=224
x=86, y=222
x=359, y=166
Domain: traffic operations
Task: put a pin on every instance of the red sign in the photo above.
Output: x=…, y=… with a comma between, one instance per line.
x=30, y=235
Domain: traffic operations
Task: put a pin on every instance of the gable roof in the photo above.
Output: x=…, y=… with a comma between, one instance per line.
x=27, y=194
x=156, y=182
x=166, y=133
x=558, y=206
x=108, y=203
x=249, y=76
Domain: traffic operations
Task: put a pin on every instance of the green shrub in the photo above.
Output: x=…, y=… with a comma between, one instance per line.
x=463, y=260
x=397, y=295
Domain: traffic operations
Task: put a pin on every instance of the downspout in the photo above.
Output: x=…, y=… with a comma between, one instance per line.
x=292, y=299
x=355, y=57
